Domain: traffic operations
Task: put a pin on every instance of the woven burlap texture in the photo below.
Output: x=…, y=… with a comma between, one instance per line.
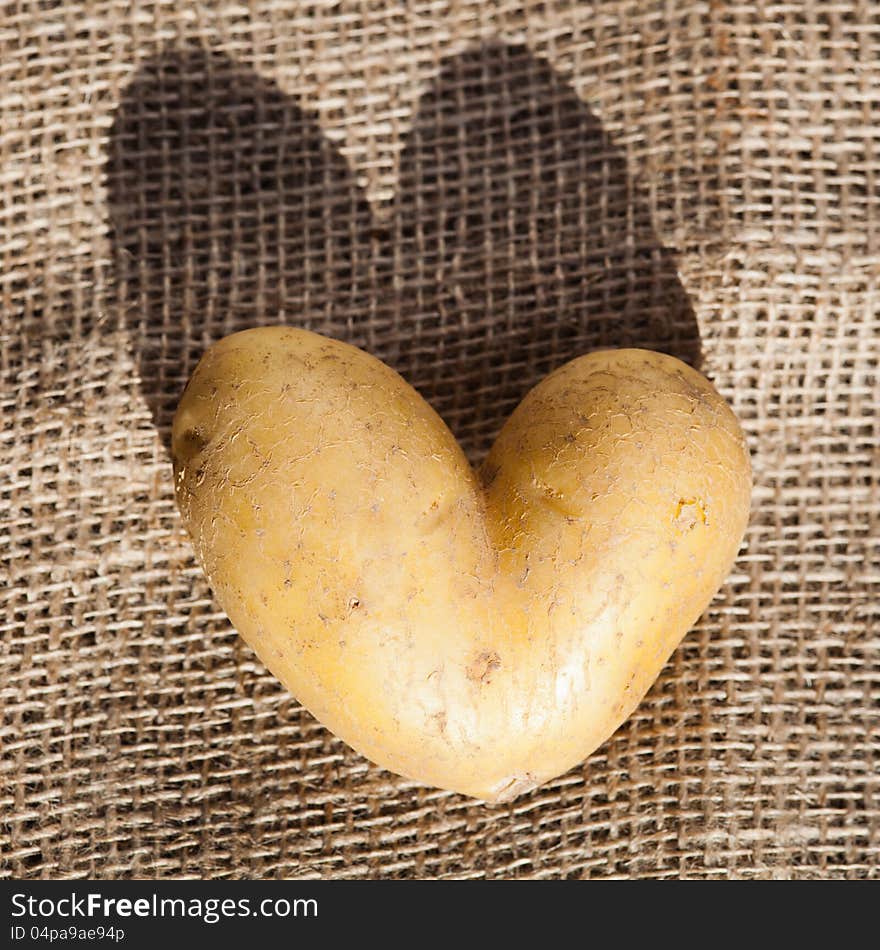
x=474, y=192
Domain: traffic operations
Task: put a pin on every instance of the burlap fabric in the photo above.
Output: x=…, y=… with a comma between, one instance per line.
x=475, y=192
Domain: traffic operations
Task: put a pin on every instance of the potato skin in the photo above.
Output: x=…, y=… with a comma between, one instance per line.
x=480, y=632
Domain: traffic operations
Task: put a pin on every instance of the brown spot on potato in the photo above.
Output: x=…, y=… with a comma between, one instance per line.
x=191, y=442
x=481, y=670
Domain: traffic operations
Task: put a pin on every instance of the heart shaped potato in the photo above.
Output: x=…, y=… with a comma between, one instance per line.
x=481, y=632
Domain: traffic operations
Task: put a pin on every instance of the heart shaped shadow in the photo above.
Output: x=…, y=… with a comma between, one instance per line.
x=517, y=239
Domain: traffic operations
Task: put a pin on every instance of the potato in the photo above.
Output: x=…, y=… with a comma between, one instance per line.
x=477, y=631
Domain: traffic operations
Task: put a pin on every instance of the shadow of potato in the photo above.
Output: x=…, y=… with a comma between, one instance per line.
x=517, y=239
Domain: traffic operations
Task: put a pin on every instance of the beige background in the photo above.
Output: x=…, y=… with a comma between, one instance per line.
x=139, y=737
